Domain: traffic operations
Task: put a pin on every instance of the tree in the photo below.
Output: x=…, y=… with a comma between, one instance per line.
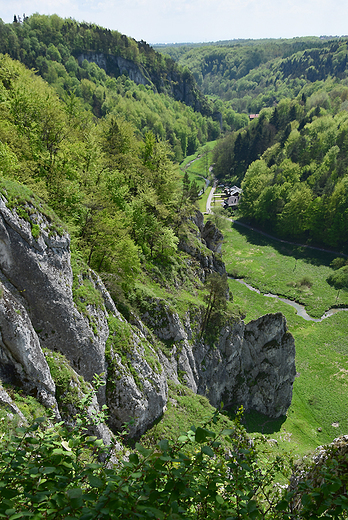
x=339, y=279
x=216, y=298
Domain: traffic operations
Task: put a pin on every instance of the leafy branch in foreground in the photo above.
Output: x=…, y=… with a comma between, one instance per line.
x=55, y=473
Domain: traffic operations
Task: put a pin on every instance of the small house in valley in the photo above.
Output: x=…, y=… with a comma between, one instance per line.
x=232, y=197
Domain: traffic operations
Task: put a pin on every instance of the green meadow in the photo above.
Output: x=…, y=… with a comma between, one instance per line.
x=319, y=409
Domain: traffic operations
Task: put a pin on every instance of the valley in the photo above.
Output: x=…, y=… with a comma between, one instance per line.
x=152, y=363
x=320, y=397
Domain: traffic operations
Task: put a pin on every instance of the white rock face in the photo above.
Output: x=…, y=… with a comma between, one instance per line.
x=37, y=279
x=137, y=391
x=251, y=365
x=21, y=358
x=40, y=271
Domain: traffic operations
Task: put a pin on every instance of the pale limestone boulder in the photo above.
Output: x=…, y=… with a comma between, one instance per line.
x=137, y=391
x=22, y=361
x=40, y=271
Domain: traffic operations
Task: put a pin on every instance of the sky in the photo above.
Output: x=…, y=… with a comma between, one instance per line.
x=179, y=21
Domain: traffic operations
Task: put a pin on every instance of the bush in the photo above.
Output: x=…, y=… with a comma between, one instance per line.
x=54, y=473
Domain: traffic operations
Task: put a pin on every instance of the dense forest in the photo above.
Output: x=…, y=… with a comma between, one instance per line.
x=252, y=75
x=118, y=193
x=290, y=159
x=291, y=162
x=165, y=100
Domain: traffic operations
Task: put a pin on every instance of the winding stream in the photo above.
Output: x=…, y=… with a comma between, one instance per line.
x=300, y=309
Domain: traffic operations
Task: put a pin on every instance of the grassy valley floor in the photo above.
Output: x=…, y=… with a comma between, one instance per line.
x=318, y=412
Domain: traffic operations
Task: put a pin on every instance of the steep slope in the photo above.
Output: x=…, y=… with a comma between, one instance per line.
x=250, y=364
x=39, y=40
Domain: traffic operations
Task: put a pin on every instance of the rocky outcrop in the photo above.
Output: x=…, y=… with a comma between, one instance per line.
x=137, y=389
x=212, y=236
x=40, y=271
x=22, y=361
x=116, y=66
x=203, y=242
x=37, y=310
x=251, y=364
x=323, y=478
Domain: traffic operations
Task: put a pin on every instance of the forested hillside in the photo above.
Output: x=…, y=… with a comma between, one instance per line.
x=252, y=75
x=98, y=67
x=107, y=267
x=119, y=194
x=290, y=157
x=292, y=165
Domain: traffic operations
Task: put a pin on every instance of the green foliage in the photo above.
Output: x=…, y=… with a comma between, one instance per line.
x=252, y=74
x=85, y=294
x=339, y=279
x=216, y=299
x=27, y=404
x=117, y=193
x=291, y=163
x=69, y=387
x=50, y=45
x=52, y=472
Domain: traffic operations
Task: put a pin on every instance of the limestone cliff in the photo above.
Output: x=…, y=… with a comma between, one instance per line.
x=42, y=305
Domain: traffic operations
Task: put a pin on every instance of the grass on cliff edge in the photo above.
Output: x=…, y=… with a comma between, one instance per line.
x=319, y=409
x=184, y=409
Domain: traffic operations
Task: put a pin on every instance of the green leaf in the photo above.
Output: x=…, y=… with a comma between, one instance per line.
x=282, y=505
x=133, y=458
x=48, y=470
x=201, y=434
x=143, y=451
x=164, y=445
x=219, y=499
x=74, y=493
x=208, y=451
x=138, y=474
x=227, y=432
x=182, y=438
x=95, y=481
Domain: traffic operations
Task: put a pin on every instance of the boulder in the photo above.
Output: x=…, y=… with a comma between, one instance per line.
x=137, y=389
x=212, y=237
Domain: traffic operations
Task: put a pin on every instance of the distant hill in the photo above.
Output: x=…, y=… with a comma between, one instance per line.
x=111, y=73
x=253, y=74
x=40, y=38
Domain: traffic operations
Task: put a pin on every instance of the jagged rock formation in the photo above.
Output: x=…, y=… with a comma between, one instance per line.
x=21, y=358
x=212, y=237
x=37, y=282
x=250, y=364
x=203, y=242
